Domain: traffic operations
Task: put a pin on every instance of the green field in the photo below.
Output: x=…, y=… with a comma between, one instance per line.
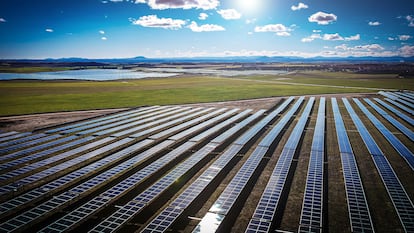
x=25, y=97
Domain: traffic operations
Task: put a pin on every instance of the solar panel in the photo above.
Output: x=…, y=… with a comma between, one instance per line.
x=253, y=131
x=406, y=118
x=22, y=140
x=157, y=127
x=23, y=200
x=134, y=206
x=311, y=216
x=404, y=152
x=268, y=203
x=202, y=125
x=407, y=132
x=138, y=119
x=178, y=117
x=225, y=202
x=6, y=134
x=407, y=95
x=14, y=136
x=402, y=107
x=29, y=169
x=399, y=96
x=184, y=200
x=65, y=167
x=49, y=207
x=396, y=191
x=22, y=146
x=30, y=150
x=101, y=119
x=360, y=218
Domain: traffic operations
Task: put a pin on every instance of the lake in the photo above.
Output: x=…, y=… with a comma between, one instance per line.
x=89, y=74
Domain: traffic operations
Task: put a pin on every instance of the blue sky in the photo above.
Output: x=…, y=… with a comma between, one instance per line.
x=197, y=28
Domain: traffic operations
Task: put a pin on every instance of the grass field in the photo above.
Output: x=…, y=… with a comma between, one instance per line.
x=25, y=97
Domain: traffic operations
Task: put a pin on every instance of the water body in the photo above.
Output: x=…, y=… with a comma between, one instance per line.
x=90, y=74
x=218, y=72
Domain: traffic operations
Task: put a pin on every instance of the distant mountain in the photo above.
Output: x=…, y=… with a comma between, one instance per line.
x=241, y=59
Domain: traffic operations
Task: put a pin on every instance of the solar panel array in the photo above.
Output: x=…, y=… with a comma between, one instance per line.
x=262, y=219
x=360, y=218
x=107, y=173
x=395, y=142
x=396, y=191
x=312, y=216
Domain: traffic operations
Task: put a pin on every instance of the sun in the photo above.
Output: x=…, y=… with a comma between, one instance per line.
x=248, y=6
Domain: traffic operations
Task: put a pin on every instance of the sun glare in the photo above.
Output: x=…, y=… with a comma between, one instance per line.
x=248, y=6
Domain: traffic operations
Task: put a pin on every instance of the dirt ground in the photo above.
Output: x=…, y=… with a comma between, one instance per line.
x=28, y=123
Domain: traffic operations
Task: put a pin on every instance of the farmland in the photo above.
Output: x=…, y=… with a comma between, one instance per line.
x=33, y=96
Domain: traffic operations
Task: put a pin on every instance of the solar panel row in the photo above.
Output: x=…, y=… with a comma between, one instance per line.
x=6, y=134
x=47, y=208
x=22, y=140
x=100, y=119
x=225, y=202
x=82, y=213
x=52, y=187
x=396, y=191
x=122, y=119
x=391, y=119
x=97, y=181
x=14, y=136
x=156, y=127
x=62, y=168
x=170, y=214
x=140, y=121
x=406, y=118
x=31, y=143
x=311, y=216
x=401, y=106
x=262, y=218
x=397, y=144
x=359, y=215
x=399, y=96
x=30, y=151
x=134, y=206
x=177, y=116
x=33, y=167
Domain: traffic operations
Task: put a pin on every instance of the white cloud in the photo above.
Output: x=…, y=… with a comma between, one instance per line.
x=49, y=30
x=356, y=37
x=279, y=29
x=311, y=38
x=404, y=37
x=391, y=38
x=182, y=4
x=229, y=14
x=203, y=16
x=299, y=6
x=104, y=38
x=407, y=51
x=330, y=37
x=101, y=32
x=370, y=47
x=316, y=31
x=322, y=18
x=335, y=36
x=205, y=27
x=410, y=20
x=140, y=1
x=376, y=23
x=2, y=20
x=154, y=22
